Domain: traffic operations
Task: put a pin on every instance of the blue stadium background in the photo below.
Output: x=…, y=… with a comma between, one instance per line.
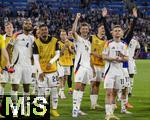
x=59, y=14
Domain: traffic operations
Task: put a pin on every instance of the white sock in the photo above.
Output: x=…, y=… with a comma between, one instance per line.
x=113, y=107
x=54, y=94
x=62, y=89
x=131, y=85
x=108, y=109
x=123, y=102
x=80, y=98
x=93, y=99
x=75, y=99
x=24, y=109
x=14, y=97
x=25, y=94
x=41, y=91
x=47, y=92
x=34, y=85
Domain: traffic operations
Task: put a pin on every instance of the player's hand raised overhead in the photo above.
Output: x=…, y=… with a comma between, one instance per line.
x=134, y=12
x=78, y=15
x=104, y=12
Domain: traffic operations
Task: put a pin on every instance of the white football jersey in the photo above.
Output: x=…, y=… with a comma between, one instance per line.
x=22, y=51
x=133, y=45
x=113, y=49
x=83, y=51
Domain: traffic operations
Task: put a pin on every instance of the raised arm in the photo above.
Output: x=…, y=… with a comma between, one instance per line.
x=74, y=27
x=106, y=26
x=129, y=34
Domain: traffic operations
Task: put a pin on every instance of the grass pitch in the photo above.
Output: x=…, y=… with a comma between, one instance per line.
x=140, y=100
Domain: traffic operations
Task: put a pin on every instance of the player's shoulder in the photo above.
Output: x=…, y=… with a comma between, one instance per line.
x=134, y=41
x=31, y=37
x=123, y=42
x=18, y=35
x=1, y=37
x=93, y=35
x=54, y=38
x=80, y=38
x=109, y=42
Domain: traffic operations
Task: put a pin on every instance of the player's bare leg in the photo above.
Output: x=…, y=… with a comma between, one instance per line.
x=62, y=87
x=115, y=91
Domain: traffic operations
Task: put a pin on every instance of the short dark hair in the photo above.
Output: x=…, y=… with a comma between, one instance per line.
x=27, y=19
x=42, y=25
x=100, y=24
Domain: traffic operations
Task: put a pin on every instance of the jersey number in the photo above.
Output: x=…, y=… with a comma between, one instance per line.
x=27, y=45
x=54, y=79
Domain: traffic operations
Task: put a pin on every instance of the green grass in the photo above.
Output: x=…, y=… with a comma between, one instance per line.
x=140, y=99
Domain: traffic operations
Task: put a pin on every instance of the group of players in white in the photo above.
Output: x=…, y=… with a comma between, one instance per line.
x=47, y=60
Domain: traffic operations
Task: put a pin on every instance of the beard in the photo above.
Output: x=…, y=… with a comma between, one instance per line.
x=27, y=29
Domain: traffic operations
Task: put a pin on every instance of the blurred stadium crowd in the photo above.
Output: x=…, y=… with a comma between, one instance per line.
x=63, y=17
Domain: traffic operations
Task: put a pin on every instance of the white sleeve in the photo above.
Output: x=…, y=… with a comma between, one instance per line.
x=138, y=45
x=55, y=58
x=33, y=39
x=37, y=64
x=78, y=38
